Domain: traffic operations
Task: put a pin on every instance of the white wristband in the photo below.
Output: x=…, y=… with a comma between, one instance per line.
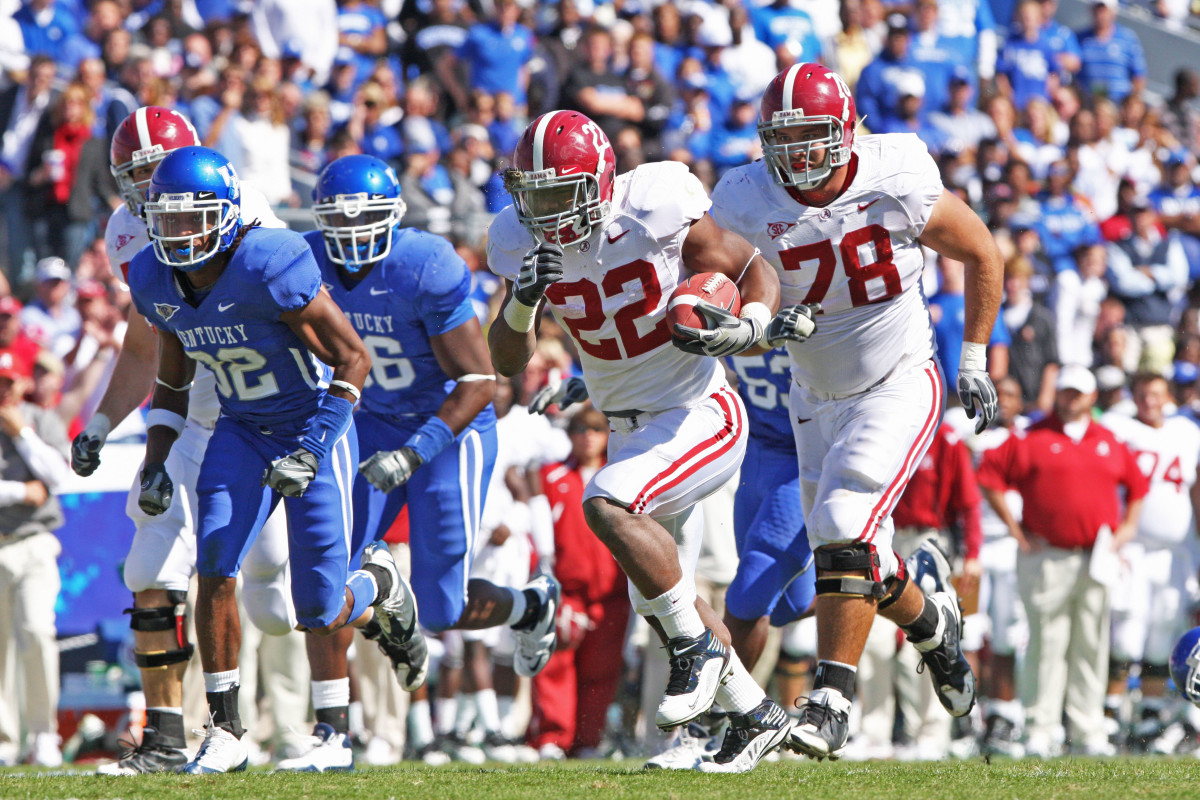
x=474, y=377
x=168, y=419
x=98, y=427
x=759, y=314
x=348, y=388
x=519, y=316
x=974, y=357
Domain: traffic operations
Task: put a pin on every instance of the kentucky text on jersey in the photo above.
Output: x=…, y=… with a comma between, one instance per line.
x=212, y=334
x=371, y=323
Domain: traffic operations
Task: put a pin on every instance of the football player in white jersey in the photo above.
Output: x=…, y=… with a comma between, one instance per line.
x=843, y=223
x=605, y=253
x=1153, y=609
x=162, y=555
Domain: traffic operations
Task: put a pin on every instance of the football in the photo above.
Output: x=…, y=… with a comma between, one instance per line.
x=711, y=287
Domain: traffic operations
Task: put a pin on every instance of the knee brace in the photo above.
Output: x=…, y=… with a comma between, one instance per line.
x=857, y=557
x=163, y=618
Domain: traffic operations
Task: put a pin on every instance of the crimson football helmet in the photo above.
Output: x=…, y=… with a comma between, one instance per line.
x=562, y=177
x=811, y=106
x=143, y=139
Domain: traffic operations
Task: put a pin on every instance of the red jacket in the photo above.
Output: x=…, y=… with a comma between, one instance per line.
x=582, y=563
x=944, y=490
x=1070, y=490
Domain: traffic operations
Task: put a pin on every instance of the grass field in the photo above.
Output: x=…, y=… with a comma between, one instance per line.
x=1086, y=779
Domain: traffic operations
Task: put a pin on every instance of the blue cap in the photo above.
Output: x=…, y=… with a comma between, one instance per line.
x=345, y=55
x=292, y=48
x=1185, y=372
x=960, y=74
x=1177, y=157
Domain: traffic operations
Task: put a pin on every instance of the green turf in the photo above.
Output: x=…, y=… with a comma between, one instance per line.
x=1086, y=779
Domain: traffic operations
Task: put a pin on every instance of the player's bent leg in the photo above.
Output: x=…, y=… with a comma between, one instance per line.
x=265, y=584
x=328, y=749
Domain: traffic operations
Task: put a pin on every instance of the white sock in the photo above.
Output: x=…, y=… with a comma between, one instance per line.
x=739, y=693
x=519, y=605
x=331, y=694
x=354, y=717
x=505, y=703
x=422, y=723
x=447, y=710
x=221, y=681
x=676, y=610
x=465, y=718
x=489, y=709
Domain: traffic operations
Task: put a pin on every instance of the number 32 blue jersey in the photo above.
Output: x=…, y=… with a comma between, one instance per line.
x=265, y=375
x=419, y=290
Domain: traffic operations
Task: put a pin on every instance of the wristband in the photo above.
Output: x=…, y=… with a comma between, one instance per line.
x=348, y=388
x=187, y=386
x=165, y=418
x=329, y=424
x=99, y=426
x=519, y=316
x=474, y=377
x=759, y=316
x=974, y=357
x=430, y=439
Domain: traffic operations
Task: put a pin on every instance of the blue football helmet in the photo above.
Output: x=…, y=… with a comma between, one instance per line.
x=357, y=206
x=193, y=207
x=1185, y=665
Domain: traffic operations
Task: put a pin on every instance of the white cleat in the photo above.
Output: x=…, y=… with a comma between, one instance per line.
x=699, y=664
x=693, y=745
x=329, y=751
x=220, y=751
x=536, y=645
x=751, y=738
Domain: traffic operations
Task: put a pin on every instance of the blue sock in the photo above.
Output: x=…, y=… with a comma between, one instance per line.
x=363, y=588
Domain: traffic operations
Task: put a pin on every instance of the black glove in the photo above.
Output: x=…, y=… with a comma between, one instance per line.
x=85, y=454
x=975, y=388
x=157, y=489
x=388, y=469
x=572, y=390
x=725, y=334
x=793, y=324
x=542, y=266
x=291, y=474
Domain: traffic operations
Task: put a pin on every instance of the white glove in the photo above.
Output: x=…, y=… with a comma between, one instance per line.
x=85, y=450
x=291, y=474
x=572, y=390
x=390, y=468
x=793, y=324
x=975, y=388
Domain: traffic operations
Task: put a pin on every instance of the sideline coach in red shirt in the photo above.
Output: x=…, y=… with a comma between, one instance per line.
x=1073, y=475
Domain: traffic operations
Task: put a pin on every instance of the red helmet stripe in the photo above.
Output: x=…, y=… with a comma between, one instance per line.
x=539, y=138
x=143, y=128
x=789, y=84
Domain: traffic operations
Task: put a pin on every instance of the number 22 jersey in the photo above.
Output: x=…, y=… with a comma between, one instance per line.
x=858, y=257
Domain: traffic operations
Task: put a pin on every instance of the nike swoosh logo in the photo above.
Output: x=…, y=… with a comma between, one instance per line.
x=225, y=306
x=613, y=239
x=377, y=293
x=868, y=204
x=687, y=649
x=801, y=420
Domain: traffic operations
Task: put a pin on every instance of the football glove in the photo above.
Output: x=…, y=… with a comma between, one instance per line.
x=388, y=469
x=85, y=453
x=572, y=390
x=725, y=334
x=157, y=489
x=975, y=389
x=543, y=265
x=793, y=324
x=291, y=474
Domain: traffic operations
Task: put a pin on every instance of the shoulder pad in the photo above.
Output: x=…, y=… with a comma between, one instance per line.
x=508, y=242
x=665, y=196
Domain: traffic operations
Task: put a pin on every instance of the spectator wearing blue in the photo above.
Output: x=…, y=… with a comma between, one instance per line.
x=1177, y=201
x=947, y=308
x=110, y=102
x=935, y=55
x=1148, y=272
x=963, y=125
x=689, y=132
x=342, y=85
x=909, y=116
x=969, y=28
x=787, y=30
x=878, y=92
x=1064, y=223
x=362, y=27
x=48, y=29
x=712, y=37
x=425, y=184
x=1027, y=67
x=374, y=138
x=669, y=49
x=595, y=89
x=497, y=52
x=737, y=141
x=1113, y=64
x=1062, y=40
x=105, y=16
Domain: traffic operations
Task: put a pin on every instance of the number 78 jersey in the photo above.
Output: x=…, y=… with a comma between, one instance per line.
x=858, y=257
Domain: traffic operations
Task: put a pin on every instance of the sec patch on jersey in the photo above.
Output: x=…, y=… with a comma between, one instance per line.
x=711, y=287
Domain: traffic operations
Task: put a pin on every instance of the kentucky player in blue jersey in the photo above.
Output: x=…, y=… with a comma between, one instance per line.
x=774, y=585
x=426, y=429
x=247, y=303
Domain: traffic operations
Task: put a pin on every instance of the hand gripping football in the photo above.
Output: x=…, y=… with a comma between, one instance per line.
x=709, y=287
